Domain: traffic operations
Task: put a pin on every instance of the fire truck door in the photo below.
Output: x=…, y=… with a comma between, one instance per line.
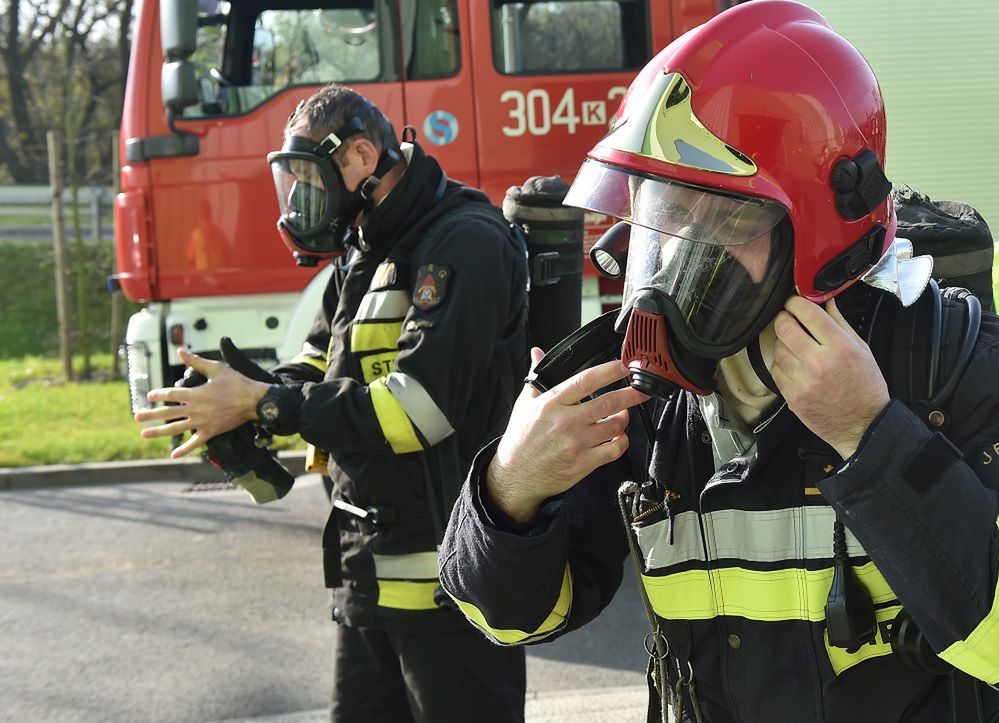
x=438, y=84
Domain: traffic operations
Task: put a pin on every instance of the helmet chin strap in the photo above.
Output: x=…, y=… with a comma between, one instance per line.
x=755, y=354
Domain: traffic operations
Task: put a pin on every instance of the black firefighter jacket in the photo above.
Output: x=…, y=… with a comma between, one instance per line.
x=737, y=563
x=412, y=365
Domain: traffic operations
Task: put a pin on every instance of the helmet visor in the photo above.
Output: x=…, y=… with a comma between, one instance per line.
x=692, y=213
x=718, y=294
x=303, y=200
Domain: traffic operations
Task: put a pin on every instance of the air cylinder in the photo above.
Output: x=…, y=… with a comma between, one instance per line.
x=554, y=236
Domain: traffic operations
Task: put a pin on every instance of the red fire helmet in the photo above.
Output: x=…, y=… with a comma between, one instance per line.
x=764, y=102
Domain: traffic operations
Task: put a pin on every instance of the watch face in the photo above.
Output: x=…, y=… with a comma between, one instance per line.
x=268, y=411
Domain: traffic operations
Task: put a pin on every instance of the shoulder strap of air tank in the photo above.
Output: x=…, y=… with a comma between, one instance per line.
x=924, y=349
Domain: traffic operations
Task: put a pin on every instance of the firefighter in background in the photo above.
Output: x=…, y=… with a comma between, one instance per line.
x=809, y=548
x=412, y=365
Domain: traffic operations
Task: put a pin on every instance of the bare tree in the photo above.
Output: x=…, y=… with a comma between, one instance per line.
x=85, y=42
x=24, y=35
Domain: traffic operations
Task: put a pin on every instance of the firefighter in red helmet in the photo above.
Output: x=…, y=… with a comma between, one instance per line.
x=798, y=465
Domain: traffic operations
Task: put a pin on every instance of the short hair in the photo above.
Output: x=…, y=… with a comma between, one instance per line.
x=333, y=106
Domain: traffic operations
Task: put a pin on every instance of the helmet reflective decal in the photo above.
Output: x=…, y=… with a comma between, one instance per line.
x=665, y=128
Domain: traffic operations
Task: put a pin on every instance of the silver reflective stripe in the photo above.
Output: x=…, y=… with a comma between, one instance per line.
x=420, y=407
x=798, y=533
x=313, y=351
x=658, y=552
x=415, y=566
x=391, y=304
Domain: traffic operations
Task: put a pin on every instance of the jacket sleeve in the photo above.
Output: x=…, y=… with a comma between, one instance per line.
x=524, y=586
x=309, y=365
x=436, y=359
x=926, y=509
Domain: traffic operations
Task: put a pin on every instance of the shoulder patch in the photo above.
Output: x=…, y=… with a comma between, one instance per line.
x=431, y=286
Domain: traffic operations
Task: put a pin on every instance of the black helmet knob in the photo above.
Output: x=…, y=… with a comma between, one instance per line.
x=845, y=176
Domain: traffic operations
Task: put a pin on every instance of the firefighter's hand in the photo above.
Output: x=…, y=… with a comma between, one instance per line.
x=556, y=438
x=827, y=373
x=226, y=401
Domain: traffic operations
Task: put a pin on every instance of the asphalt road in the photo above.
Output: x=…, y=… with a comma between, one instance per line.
x=148, y=602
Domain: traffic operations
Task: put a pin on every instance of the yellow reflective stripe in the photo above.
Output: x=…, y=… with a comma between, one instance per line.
x=978, y=654
x=396, y=427
x=319, y=364
x=374, y=336
x=788, y=594
x=406, y=595
x=376, y=366
x=842, y=660
x=510, y=636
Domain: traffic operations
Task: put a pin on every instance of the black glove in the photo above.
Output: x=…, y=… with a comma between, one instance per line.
x=242, y=452
x=243, y=364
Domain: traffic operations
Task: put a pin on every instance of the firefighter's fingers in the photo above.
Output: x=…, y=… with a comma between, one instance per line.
x=607, y=452
x=531, y=391
x=833, y=310
x=785, y=362
x=158, y=414
x=795, y=339
x=178, y=395
x=207, y=367
x=780, y=371
x=611, y=403
x=813, y=319
x=587, y=382
x=604, y=430
x=172, y=429
x=195, y=441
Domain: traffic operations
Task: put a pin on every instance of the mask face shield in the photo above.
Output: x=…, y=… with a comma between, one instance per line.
x=706, y=271
x=713, y=259
x=696, y=214
x=717, y=298
x=314, y=205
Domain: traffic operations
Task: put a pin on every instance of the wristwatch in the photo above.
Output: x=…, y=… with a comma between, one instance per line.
x=276, y=409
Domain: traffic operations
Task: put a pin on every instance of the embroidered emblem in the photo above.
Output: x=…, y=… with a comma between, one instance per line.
x=385, y=275
x=431, y=286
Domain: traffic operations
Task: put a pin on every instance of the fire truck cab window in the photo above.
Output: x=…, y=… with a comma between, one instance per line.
x=248, y=52
x=569, y=36
x=430, y=38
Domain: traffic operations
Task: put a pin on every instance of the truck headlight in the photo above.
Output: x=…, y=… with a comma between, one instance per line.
x=137, y=362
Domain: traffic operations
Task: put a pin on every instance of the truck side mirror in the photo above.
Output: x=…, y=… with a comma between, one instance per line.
x=178, y=28
x=179, y=86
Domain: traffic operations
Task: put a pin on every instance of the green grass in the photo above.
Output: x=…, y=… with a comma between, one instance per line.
x=44, y=420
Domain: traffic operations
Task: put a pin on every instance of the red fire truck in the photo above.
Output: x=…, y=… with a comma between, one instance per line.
x=497, y=90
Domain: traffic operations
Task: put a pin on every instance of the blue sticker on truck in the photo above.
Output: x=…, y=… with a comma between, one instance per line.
x=440, y=127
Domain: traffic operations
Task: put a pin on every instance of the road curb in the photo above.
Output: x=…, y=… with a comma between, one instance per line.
x=142, y=470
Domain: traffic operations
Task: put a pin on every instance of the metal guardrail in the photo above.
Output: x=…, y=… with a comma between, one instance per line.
x=25, y=212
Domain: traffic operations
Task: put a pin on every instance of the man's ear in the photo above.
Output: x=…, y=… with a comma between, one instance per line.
x=367, y=153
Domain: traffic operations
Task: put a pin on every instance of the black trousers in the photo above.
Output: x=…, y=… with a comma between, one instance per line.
x=383, y=677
